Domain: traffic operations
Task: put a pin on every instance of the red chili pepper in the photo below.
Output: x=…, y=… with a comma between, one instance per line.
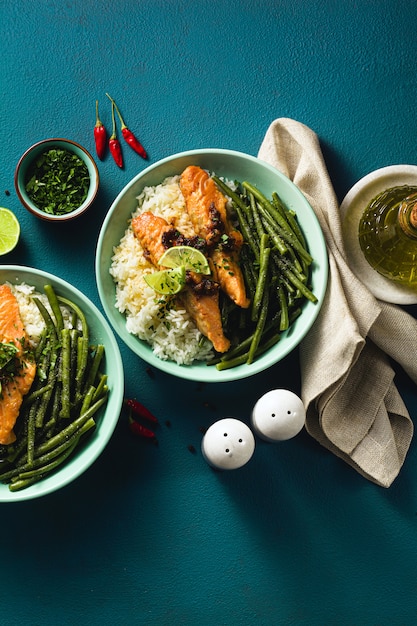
x=141, y=431
x=114, y=143
x=141, y=411
x=130, y=138
x=100, y=135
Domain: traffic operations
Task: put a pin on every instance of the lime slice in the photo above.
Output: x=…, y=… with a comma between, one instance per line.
x=186, y=256
x=9, y=230
x=167, y=282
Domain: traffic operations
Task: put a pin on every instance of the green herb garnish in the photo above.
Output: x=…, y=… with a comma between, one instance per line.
x=58, y=181
x=8, y=362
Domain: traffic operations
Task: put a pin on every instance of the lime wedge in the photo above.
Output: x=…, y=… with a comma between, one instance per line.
x=167, y=282
x=9, y=230
x=185, y=256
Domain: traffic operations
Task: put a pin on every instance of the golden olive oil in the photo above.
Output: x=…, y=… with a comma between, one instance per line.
x=388, y=234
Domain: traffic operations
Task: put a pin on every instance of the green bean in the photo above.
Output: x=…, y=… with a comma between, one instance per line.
x=72, y=427
x=88, y=397
x=259, y=327
x=276, y=218
x=260, y=287
x=91, y=376
x=248, y=270
x=78, y=311
x=82, y=360
x=247, y=233
x=74, y=334
x=50, y=326
x=264, y=202
x=54, y=304
x=235, y=197
x=31, y=433
x=18, y=485
x=306, y=292
x=284, y=319
x=284, y=234
x=240, y=360
x=102, y=387
x=278, y=205
x=40, y=347
x=65, y=411
x=34, y=395
x=46, y=469
x=275, y=236
x=49, y=389
x=256, y=217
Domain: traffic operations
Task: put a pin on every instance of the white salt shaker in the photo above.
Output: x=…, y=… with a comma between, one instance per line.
x=278, y=415
x=228, y=444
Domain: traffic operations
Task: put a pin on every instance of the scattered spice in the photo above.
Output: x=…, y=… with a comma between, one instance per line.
x=7, y=192
x=57, y=181
x=191, y=448
x=167, y=423
x=100, y=135
x=114, y=144
x=150, y=372
x=129, y=137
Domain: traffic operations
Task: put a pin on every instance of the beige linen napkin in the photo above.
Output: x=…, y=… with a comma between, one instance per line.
x=353, y=406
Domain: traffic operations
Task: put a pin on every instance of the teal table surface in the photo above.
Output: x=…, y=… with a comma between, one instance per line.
x=150, y=535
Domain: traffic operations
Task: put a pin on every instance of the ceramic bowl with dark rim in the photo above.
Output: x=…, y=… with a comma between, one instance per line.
x=107, y=416
x=65, y=195
x=234, y=166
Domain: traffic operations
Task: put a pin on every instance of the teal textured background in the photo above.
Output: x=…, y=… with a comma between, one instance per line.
x=151, y=535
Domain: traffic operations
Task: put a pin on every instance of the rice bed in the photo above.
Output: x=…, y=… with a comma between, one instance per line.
x=168, y=329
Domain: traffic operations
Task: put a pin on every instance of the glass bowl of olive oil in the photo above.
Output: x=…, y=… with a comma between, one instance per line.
x=56, y=179
x=379, y=225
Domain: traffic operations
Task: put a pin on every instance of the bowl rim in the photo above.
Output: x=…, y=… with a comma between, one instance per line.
x=186, y=372
x=92, y=170
x=51, y=484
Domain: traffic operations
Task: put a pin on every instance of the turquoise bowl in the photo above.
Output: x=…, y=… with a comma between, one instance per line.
x=31, y=154
x=108, y=416
x=235, y=166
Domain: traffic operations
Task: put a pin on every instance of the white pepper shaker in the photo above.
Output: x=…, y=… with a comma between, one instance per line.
x=228, y=444
x=278, y=415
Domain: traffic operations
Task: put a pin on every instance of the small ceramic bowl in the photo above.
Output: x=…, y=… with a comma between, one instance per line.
x=26, y=165
x=107, y=416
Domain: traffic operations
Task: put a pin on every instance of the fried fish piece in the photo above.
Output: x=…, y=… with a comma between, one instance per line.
x=149, y=230
x=207, y=208
x=13, y=389
x=201, y=304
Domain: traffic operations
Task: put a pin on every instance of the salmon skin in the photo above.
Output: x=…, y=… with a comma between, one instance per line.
x=207, y=208
x=15, y=388
x=200, y=297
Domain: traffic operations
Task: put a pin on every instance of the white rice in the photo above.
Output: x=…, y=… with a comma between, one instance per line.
x=31, y=317
x=156, y=319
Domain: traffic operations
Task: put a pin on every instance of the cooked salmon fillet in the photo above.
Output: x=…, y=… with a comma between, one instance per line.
x=205, y=203
x=230, y=275
x=203, y=308
x=206, y=206
x=13, y=391
x=205, y=311
x=149, y=229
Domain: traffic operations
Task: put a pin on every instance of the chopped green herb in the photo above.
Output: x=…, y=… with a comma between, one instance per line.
x=58, y=181
x=8, y=362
